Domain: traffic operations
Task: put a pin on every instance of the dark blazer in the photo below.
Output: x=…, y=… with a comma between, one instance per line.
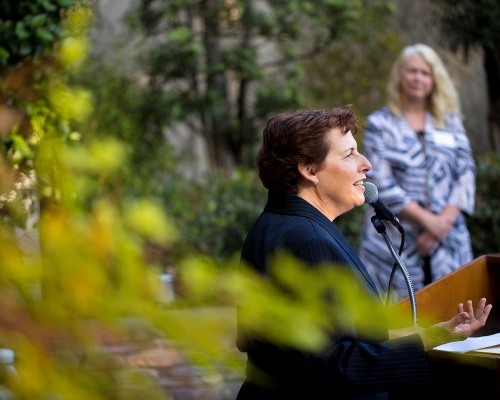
x=356, y=364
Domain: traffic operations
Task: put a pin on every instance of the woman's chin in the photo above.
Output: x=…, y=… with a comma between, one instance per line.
x=360, y=202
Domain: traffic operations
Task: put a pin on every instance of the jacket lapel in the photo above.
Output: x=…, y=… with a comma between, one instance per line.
x=294, y=205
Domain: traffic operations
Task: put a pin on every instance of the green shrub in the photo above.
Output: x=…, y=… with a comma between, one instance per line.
x=31, y=28
x=125, y=118
x=213, y=215
x=484, y=225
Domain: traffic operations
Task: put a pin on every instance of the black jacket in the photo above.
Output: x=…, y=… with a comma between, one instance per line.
x=357, y=363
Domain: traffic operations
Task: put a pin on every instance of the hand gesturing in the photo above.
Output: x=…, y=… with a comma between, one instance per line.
x=462, y=325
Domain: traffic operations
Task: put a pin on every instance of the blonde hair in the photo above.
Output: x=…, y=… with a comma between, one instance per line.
x=443, y=98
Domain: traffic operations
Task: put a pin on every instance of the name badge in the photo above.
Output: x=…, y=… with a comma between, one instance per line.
x=445, y=139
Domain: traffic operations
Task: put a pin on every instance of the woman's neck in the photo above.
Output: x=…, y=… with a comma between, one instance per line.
x=414, y=111
x=312, y=197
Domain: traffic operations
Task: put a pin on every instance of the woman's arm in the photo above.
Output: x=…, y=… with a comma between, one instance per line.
x=460, y=327
x=438, y=225
x=464, y=187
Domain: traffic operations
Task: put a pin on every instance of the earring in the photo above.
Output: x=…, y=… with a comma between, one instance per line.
x=315, y=183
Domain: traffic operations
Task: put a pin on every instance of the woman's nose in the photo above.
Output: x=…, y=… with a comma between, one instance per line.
x=366, y=166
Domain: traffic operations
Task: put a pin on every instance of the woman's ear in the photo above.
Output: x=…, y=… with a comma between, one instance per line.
x=308, y=172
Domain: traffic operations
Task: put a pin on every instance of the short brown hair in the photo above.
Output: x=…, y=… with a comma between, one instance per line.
x=299, y=137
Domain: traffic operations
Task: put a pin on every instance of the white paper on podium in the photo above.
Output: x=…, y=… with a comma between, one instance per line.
x=471, y=344
x=489, y=350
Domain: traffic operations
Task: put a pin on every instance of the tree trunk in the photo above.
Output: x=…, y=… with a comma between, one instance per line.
x=492, y=67
x=218, y=121
x=242, y=107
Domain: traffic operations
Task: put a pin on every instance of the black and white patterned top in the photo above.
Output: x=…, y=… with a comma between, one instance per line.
x=434, y=170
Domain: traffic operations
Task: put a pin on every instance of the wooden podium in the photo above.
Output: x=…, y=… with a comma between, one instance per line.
x=453, y=374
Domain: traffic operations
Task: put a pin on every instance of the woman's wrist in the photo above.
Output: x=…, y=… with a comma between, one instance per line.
x=418, y=214
x=451, y=212
x=435, y=335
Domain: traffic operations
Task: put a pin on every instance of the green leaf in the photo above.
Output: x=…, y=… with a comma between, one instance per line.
x=65, y=3
x=44, y=35
x=4, y=53
x=21, y=31
x=38, y=20
x=20, y=145
x=25, y=48
x=48, y=5
x=6, y=26
x=181, y=35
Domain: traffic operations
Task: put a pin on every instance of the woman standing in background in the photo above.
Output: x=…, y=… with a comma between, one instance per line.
x=424, y=171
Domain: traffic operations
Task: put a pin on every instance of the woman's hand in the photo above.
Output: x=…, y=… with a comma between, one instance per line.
x=445, y=220
x=426, y=242
x=460, y=327
x=438, y=225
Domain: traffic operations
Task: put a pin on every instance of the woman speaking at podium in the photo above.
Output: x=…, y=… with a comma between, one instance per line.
x=312, y=169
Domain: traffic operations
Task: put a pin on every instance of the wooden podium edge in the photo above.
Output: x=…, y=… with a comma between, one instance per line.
x=438, y=301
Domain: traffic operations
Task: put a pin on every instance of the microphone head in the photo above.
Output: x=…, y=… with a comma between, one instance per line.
x=371, y=192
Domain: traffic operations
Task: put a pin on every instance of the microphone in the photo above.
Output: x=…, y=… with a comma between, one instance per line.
x=381, y=209
x=382, y=212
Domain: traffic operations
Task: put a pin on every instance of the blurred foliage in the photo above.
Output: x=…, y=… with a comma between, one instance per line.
x=484, y=225
x=36, y=104
x=355, y=69
x=214, y=214
x=62, y=295
x=123, y=112
x=298, y=316
x=68, y=297
x=478, y=23
x=31, y=28
x=224, y=67
x=467, y=24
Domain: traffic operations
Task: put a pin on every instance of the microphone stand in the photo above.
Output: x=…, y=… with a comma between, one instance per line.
x=380, y=227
